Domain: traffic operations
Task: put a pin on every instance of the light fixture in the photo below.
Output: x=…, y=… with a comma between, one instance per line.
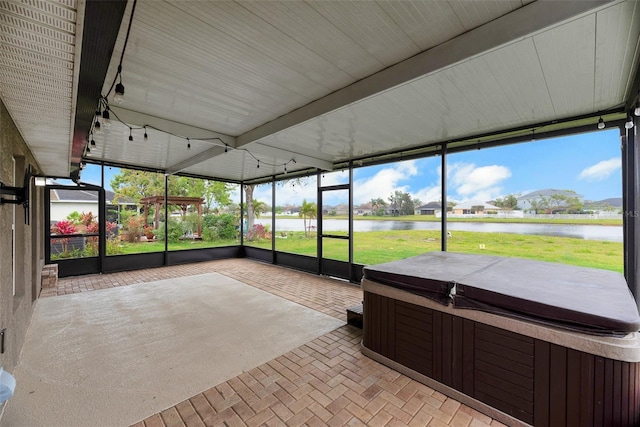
x=106, y=119
x=93, y=142
x=118, y=97
x=146, y=137
x=285, y=168
x=88, y=150
x=258, y=165
x=600, y=123
x=96, y=126
x=188, y=144
x=629, y=123
x=40, y=181
x=130, y=136
x=636, y=112
x=226, y=148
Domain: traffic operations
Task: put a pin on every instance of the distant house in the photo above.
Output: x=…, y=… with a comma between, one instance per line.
x=63, y=202
x=528, y=201
x=431, y=208
x=474, y=207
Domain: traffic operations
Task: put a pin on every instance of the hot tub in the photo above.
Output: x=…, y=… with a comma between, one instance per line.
x=525, y=342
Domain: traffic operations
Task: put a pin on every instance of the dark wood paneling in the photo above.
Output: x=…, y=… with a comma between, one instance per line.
x=542, y=383
x=457, y=362
x=587, y=386
x=468, y=357
x=532, y=380
x=598, y=392
x=608, y=392
x=574, y=391
x=558, y=386
x=617, y=393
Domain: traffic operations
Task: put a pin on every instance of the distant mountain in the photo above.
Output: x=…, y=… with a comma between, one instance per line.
x=615, y=202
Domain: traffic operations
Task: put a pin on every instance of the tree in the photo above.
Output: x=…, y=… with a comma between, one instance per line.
x=376, y=205
x=248, y=196
x=259, y=208
x=137, y=185
x=402, y=204
x=507, y=202
x=308, y=210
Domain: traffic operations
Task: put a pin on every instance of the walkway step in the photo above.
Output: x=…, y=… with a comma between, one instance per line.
x=354, y=316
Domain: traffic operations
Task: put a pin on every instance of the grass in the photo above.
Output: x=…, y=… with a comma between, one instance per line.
x=432, y=218
x=375, y=247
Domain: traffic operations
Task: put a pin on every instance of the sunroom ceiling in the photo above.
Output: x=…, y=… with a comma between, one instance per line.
x=311, y=84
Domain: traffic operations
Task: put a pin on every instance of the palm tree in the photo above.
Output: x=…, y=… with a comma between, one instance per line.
x=308, y=210
x=259, y=208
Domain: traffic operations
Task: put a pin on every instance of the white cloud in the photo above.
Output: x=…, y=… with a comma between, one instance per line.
x=469, y=182
x=384, y=182
x=601, y=170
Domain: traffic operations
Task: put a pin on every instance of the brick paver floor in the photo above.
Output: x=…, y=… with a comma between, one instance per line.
x=324, y=382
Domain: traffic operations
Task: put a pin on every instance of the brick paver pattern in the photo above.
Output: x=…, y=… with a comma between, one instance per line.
x=324, y=382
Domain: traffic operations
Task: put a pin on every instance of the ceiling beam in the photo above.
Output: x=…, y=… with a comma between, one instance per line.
x=519, y=24
x=192, y=161
x=266, y=150
x=100, y=28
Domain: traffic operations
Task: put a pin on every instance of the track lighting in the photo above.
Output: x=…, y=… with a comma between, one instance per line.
x=600, y=123
x=629, y=122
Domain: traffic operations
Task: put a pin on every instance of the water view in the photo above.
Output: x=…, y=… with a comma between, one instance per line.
x=587, y=232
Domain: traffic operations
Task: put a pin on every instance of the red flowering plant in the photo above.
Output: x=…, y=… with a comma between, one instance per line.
x=63, y=227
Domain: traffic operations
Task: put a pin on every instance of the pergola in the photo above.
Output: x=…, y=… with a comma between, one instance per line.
x=182, y=201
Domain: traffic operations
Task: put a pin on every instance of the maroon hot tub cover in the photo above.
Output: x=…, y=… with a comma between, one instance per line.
x=576, y=298
x=430, y=275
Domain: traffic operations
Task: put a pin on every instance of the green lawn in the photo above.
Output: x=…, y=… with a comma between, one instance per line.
x=376, y=247
x=432, y=218
x=382, y=246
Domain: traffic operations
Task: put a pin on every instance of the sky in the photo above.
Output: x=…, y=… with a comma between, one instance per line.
x=588, y=163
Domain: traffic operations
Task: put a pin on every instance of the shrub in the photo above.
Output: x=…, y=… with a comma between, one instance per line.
x=257, y=232
x=219, y=227
x=133, y=228
x=175, y=231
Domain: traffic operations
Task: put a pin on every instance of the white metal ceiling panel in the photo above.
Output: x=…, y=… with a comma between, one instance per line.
x=616, y=52
x=566, y=54
x=257, y=70
x=428, y=23
x=36, y=76
x=474, y=13
x=368, y=25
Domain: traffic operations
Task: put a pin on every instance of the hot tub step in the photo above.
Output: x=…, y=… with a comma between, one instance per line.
x=354, y=316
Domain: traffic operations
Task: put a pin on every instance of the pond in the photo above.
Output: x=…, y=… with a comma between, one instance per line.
x=587, y=232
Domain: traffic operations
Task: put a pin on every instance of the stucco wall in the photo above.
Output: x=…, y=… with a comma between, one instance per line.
x=16, y=306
